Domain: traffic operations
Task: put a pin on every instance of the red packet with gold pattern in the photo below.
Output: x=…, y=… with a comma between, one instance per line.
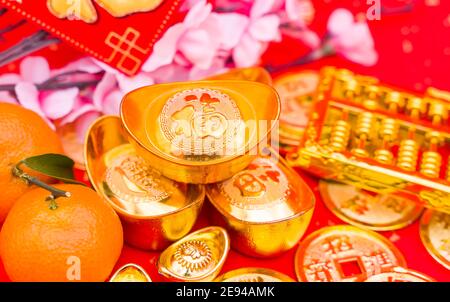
x=117, y=32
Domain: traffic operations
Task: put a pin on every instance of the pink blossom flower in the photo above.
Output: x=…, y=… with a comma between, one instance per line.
x=49, y=105
x=105, y=98
x=196, y=42
x=262, y=28
x=351, y=39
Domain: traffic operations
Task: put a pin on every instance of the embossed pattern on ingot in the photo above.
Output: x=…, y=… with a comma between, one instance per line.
x=435, y=235
x=202, y=122
x=379, y=212
x=197, y=257
x=194, y=255
x=138, y=188
x=345, y=253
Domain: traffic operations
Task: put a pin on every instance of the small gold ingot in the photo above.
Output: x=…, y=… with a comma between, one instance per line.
x=154, y=210
x=345, y=253
x=380, y=212
x=435, y=235
x=265, y=208
x=130, y=273
x=400, y=274
x=200, y=132
x=253, y=274
x=197, y=257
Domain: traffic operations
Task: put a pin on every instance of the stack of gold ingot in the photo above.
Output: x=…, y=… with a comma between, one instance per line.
x=173, y=143
x=176, y=144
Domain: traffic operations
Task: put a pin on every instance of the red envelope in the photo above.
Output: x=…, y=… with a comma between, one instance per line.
x=120, y=33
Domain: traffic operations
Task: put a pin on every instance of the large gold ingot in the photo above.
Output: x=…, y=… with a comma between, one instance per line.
x=200, y=132
x=154, y=210
x=265, y=208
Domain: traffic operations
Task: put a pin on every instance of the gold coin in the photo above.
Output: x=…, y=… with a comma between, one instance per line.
x=253, y=274
x=374, y=212
x=345, y=253
x=296, y=90
x=400, y=274
x=435, y=235
x=130, y=273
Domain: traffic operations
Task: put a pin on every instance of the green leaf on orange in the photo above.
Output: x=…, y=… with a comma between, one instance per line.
x=54, y=165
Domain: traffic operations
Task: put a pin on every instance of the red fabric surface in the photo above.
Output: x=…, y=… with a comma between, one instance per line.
x=427, y=30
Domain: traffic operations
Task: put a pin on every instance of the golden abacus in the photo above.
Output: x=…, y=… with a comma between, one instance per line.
x=379, y=138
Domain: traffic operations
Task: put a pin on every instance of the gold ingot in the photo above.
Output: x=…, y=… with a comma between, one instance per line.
x=197, y=257
x=154, y=210
x=345, y=253
x=400, y=274
x=435, y=235
x=253, y=74
x=253, y=274
x=265, y=208
x=200, y=132
x=130, y=273
x=379, y=212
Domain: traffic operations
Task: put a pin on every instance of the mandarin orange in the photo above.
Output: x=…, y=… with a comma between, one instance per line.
x=23, y=133
x=79, y=240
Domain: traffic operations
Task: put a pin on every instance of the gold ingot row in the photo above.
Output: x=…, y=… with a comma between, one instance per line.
x=332, y=254
x=157, y=184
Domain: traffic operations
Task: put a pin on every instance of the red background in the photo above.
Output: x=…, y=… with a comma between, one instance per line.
x=427, y=29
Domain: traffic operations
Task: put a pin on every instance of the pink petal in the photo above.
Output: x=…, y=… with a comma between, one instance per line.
x=197, y=14
x=247, y=52
x=106, y=85
x=363, y=56
x=217, y=67
x=233, y=27
x=171, y=73
x=10, y=78
x=266, y=28
x=165, y=49
x=340, y=21
x=358, y=35
x=261, y=7
x=59, y=103
x=83, y=123
x=127, y=84
x=34, y=69
x=197, y=46
x=79, y=111
x=111, y=104
x=86, y=64
x=309, y=37
x=28, y=97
